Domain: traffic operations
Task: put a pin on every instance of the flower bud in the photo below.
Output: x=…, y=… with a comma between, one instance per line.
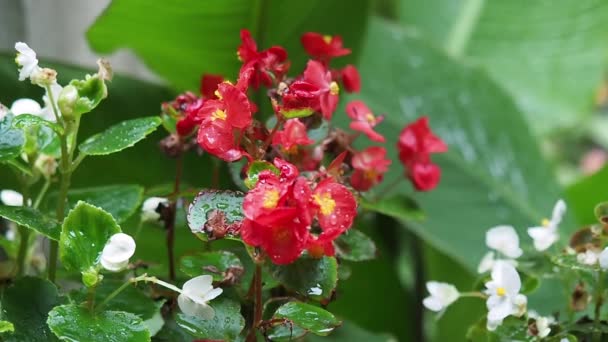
x=47, y=165
x=44, y=77
x=117, y=252
x=91, y=277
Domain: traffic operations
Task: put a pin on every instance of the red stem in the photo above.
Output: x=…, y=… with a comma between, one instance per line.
x=256, y=285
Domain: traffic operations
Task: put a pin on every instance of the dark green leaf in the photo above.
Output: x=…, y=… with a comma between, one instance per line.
x=32, y=219
x=11, y=139
x=216, y=264
x=26, y=304
x=355, y=246
x=583, y=196
x=29, y=120
x=348, y=332
x=84, y=234
x=213, y=213
x=75, y=323
x=315, y=278
x=254, y=171
x=226, y=325
x=312, y=318
x=131, y=299
x=120, y=136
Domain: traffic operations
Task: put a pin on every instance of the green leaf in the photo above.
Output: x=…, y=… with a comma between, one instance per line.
x=226, y=325
x=26, y=304
x=254, y=170
x=75, y=323
x=570, y=262
x=6, y=327
x=399, y=207
x=131, y=299
x=348, y=332
x=213, y=213
x=120, y=136
x=355, y=246
x=309, y=317
x=297, y=113
x=11, y=139
x=84, y=234
x=29, y=120
x=32, y=219
x=216, y=264
x=121, y=201
x=520, y=43
x=139, y=25
x=583, y=196
x=492, y=156
x=315, y=278
x=82, y=96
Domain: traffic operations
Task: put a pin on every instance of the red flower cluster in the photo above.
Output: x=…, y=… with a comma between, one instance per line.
x=415, y=145
x=283, y=211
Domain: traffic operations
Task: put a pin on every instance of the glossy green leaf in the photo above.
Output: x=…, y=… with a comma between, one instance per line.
x=355, y=246
x=398, y=206
x=254, y=170
x=140, y=25
x=312, y=318
x=28, y=120
x=119, y=200
x=348, y=332
x=549, y=55
x=32, y=219
x=6, y=327
x=76, y=323
x=216, y=264
x=226, y=325
x=492, y=156
x=583, y=196
x=26, y=303
x=213, y=213
x=84, y=234
x=11, y=139
x=314, y=278
x=82, y=96
x=131, y=299
x=120, y=136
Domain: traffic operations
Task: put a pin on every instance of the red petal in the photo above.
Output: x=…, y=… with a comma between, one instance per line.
x=351, y=79
x=248, y=49
x=425, y=176
x=215, y=137
x=329, y=103
x=367, y=129
x=358, y=110
x=336, y=207
x=209, y=83
x=236, y=103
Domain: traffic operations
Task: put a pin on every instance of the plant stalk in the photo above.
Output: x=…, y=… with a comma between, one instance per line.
x=256, y=285
x=170, y=223
x=599, y=300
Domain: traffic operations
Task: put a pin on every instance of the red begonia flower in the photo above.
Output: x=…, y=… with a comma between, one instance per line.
x=209, y=83
x=186, y=124
x=424, y=176
x=292, y=135
x=335, y=207
x=303, y=195
x=369, y=167
x=323, y=47
x=283, y=242
x=268, y=202
x=269, y=65
x=364, y=120
x=351, y=79
x=288, y=171
x=319, y=246
x=317, y=88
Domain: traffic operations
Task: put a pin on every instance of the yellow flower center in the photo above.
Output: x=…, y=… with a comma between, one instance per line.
x=369, y=117
x=271, y=199
x=545, y=222
x=218, y=114
x=327, y=39
x=501, y=291
x=326, y=203
x=371, y=175
x=334, y=89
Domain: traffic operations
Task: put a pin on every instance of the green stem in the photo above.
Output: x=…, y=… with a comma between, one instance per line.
x=473, y=295
x=53, y=105
x=43, y=190
x=599, y=300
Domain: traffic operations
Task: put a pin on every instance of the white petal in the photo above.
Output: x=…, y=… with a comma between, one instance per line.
x=501, y=309
x=542, y=324
x=558, y=212
x=505, y=275
x=191, y=308
x=25, y=106
x=604, y=258
x=543, y=237
x=505, y=240
x=26, y=59
x=148, y=209
x=486, y=263
x=11, y=197
x=520, y=305
x=114, y=266
x=492, y=325
x=444, y=292
x=198, y=286
x=119, y=248
x=212, y=294
x=432, y=303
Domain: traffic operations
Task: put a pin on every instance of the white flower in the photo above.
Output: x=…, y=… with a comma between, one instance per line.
x=488, y=261
x=195, y=294
x=504, y=298
x=26, y=59
x=442, y=295
x=589, y=257
x=148, y=209
x=117, y=251
x=11, y=197
x=542, y=325
x=25, y=106
x=546, y=235
x=604, y=259
x=505, y=240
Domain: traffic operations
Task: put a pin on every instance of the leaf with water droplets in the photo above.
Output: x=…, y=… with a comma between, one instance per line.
x=225, y=325
x=120, y=136
x=84, y=234
x=32, y=219
x=309, y=317
x=253, y=172
x=354, y=245
x=218, y=264
x=76, y=323
x=29, y=120
x=216, y=214
x=315, y=278
x=11, y=139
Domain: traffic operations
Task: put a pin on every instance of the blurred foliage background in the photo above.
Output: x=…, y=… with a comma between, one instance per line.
x=516, y=88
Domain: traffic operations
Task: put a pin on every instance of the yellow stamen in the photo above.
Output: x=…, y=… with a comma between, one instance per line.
x=271, y=199
x=334, y=89
x=326, y=203
x=545, y=222
x=218, y=114
x=501, y=291
x=327, y=39
x=370, y=118
x=370, y=175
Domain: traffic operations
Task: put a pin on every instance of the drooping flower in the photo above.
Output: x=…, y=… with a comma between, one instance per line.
x=504, y=239
x=546, y=235
x=195, y=295
x=441, y=296
x=292, y=136
x=364, y=120
x=335, y=207
x=117, y=252
x=369, y=167
x=351, y=79
x=323, y=47
x=316, y=89
x=504, y=298
x=267, y=66
x=148, y=209
x=11, y=198
x=26, y=59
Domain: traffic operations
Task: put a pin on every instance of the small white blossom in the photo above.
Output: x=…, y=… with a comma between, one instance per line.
x=148, y=209
x=195, y=294
x=26, y=59
x=603, y=259
x=25, y=106
x=542, y=325
x=504, y=239
x=546, y=235
x=504, y=298
x=117, y=251
x=11, y=197
x=488, y=261
x=589, y=257
x=441, y=296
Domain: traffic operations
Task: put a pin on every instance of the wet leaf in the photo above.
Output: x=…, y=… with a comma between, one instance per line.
x=354, y=245
x=215, y=214
x=254, y=171
x=29, y=120
x=314, y=278
x=217, y=264
x=120, y=136
x=348, y=332
x=226, y=325
x=131, y=299
x=32, y=219
x=6, y=327
x=11, y=139
x=309, y=317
